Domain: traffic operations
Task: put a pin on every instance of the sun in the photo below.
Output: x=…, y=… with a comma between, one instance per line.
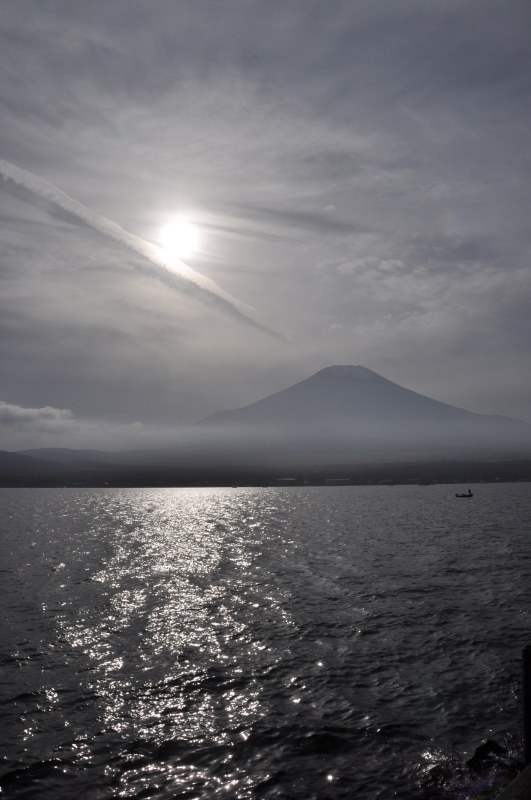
x=179, y=237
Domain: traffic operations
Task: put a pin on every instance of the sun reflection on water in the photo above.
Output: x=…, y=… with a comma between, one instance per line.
x=173, y=655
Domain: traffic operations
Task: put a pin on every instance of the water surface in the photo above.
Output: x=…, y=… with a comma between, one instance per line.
x=323, y=642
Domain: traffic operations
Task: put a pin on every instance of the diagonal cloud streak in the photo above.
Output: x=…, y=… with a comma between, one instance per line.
x=206, y=287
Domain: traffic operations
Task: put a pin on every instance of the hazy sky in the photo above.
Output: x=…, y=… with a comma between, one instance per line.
x=357, y=174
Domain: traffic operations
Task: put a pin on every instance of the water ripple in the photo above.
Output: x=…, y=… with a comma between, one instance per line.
x=262, y=643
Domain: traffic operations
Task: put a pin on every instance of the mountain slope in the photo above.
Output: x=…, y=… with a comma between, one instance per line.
x=349, y=393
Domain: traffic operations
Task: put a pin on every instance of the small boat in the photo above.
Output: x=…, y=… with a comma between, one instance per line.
x=467, y=494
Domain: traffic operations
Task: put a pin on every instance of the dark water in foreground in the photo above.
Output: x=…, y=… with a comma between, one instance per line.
x=326, y=642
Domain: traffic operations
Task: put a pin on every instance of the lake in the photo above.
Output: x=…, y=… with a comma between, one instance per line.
x=301, y=642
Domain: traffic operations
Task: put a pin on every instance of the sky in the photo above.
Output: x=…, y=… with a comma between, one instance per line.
x=355, y=174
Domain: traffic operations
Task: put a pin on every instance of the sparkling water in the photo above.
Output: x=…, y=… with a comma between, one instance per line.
x=320, y=642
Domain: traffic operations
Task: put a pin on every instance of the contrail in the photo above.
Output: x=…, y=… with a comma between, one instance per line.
x=144, y=248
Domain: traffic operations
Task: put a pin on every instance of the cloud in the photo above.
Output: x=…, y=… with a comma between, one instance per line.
x=150, y=251
x=317, y=223
x=22, y=428
x=47, y=418
x=408, y=119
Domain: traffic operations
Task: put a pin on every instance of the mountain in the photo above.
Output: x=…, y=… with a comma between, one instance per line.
x=349, y=394
x=352, y=412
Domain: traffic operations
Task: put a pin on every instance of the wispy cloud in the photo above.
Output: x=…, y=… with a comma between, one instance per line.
x=107, y=227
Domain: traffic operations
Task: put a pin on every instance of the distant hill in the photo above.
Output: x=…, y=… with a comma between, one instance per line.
x=22, y=465
x=91, y=458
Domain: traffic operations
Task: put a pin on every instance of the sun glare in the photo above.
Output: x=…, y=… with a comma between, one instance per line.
x=179, y=237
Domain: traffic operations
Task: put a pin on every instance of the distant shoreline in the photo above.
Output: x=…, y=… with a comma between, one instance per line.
x=412, y=473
